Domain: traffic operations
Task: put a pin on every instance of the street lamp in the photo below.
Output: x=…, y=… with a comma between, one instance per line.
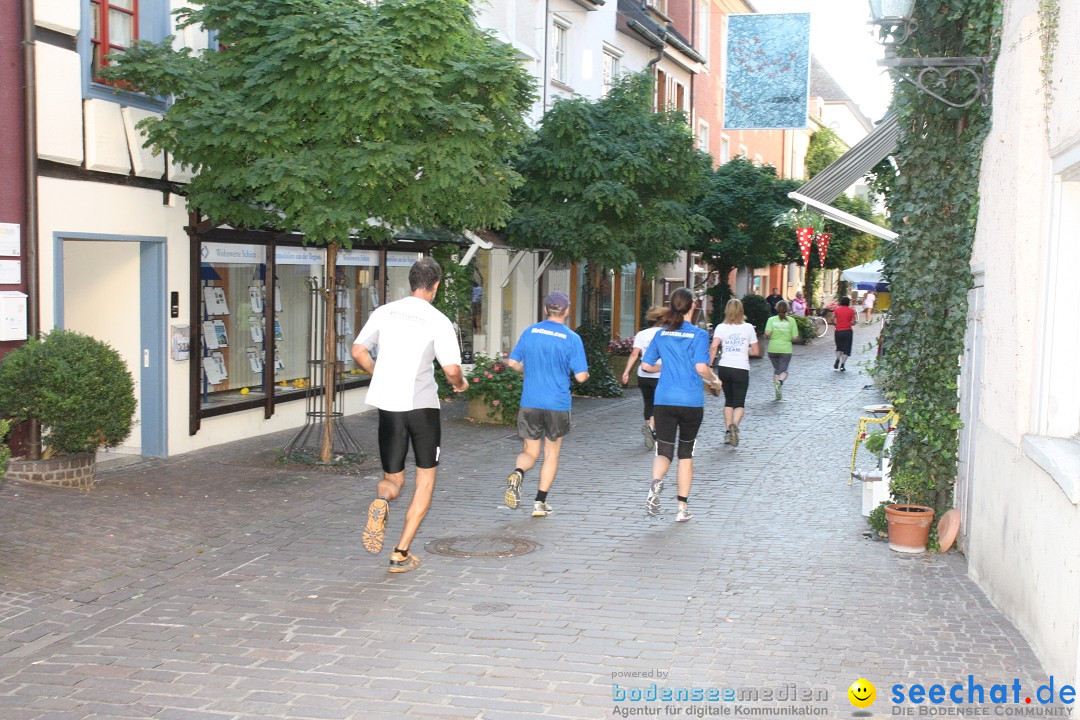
x=936, y=77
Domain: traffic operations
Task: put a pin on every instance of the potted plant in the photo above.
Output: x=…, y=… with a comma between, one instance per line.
x=618, y=350
x=909, y=521
x=80, y=392
x=494, y=391
x=800, y=218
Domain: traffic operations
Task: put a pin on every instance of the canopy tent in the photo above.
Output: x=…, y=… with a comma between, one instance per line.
x=866, y=276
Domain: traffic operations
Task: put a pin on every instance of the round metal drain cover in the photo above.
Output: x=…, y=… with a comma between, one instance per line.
x=472, y=546
x=490, y=607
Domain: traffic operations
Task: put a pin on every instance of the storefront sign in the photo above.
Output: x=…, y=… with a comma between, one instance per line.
x=233, y=254
x=366, y=258
x=300, y=256
x=9, y=239
x=402, y=259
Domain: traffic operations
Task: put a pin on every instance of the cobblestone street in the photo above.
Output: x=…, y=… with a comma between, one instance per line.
x=219, y=585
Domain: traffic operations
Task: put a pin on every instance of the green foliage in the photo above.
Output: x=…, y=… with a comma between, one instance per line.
x=318, y=116
x=610, y=181
x=795, y=218
x=806, y=328
x=757, y=311
x=824, y=149
x=934, y=209
x=5, y=451
x=875, y=442
x=878, y=520
x=454, y=299
x=498, y=385
x=601, y=382
x=719, y=295
x=77, y=387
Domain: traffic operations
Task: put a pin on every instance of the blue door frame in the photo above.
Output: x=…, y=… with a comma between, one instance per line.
x=152, y=331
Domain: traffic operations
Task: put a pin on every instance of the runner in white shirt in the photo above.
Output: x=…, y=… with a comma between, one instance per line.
x=739, y=341
x=646, y=380
x=409, y=334
x=868, y=305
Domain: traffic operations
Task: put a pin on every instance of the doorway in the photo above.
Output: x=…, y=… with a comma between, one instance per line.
x=112, y=288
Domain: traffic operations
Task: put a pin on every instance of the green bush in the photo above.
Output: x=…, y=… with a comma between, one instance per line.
x=601, y=382
x=875, y=442
x=806, y=328
x=497, y=384
x=757, y=311
x=76, y=387
x=5, y=451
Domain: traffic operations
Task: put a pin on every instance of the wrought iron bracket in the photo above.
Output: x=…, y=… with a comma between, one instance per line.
x=932, y=76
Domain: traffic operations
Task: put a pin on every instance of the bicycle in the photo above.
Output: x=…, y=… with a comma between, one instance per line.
x=818, y=323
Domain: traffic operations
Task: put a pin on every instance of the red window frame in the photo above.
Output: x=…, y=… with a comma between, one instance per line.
x=100, y=45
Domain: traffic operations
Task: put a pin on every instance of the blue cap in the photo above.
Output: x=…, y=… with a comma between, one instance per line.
x=556, y=299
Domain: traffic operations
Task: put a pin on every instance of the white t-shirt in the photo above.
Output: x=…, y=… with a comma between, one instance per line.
x=735, y=342
x=868, y=301
x=641, y=342
x=409, y=334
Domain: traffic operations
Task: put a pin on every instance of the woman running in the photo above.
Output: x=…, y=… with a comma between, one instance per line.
x=680, y=399
x=646, y=380
x=738, y=342
x=845, y=316
x=781, y=329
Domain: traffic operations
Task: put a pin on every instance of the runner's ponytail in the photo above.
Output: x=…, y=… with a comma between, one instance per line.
x=680, y=303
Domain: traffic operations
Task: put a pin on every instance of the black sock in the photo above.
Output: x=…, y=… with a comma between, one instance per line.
x=541, y=495
x=519, y=470
x=681, y=498
x=402, y=553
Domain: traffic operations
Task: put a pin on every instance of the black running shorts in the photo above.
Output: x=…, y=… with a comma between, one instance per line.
x=534, y=423
x=736, y=382
x=779, y=362
x=677, y=418
x=397, y=429
x=843, y=341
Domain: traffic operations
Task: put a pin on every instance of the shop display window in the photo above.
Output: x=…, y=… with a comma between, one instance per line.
x=297, y=271
x=358, y=283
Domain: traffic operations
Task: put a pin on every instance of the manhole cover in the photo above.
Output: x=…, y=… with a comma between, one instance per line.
x=490, y=607
x=494, y=546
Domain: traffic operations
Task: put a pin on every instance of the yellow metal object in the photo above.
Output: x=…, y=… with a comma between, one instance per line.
x=888, y=420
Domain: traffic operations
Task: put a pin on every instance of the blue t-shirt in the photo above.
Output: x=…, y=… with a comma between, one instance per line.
x=552, y=353
x=681, y=349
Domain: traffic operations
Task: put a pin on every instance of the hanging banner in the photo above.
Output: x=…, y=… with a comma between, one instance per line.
x=364, y=258
x=805, y=237
x=287, y=255
x=823, y=246
x=768, y=72
x=232, y=254
x=402, y=259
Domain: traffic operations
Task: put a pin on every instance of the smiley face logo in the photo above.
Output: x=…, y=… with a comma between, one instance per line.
x=862, y=693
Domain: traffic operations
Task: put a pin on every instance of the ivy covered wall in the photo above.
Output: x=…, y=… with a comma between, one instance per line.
x=934, y=205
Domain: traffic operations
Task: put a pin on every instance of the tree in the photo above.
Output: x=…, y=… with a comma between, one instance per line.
x=326, y=116
x=609, y=182
x=825, y=148
x=740, y=204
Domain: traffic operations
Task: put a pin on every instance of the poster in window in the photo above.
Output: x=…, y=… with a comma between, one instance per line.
x=221, y=336
x=277, y=300
x=279, y=366
x=214, y=298
x=279, y=335
x=214, y=368
x=344, y=299
x=255, y=359
x=209, y=335
x=218, y=360
x=256, y=294
x=256, y=329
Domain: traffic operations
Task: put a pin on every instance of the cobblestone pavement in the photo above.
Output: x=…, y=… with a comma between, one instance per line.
x=218, y=585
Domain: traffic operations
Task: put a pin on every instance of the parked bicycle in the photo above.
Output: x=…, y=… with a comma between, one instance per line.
x=818, y=322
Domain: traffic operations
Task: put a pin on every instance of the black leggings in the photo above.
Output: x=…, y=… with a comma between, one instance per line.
x=736, y=383
x=685, y=420
x=648, y=391
x=421, y=427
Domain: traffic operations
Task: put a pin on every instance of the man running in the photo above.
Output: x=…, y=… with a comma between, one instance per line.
x=409, y=334
x=547, y=353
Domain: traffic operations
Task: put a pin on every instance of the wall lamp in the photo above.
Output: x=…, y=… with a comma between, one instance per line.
x=936, y=77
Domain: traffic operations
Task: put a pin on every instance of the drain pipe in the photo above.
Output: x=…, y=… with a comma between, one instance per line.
x=33, y=317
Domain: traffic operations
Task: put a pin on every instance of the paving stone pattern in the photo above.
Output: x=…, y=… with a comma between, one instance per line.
x=218, y=585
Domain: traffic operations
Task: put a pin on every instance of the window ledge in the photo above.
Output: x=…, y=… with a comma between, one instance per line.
x=562, y=85
x=1060, y=458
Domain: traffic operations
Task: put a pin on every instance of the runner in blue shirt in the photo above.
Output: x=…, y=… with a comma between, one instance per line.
x=680, y=398
x=547, y=353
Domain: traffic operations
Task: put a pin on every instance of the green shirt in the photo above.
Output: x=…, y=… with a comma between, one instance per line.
x=782, y=333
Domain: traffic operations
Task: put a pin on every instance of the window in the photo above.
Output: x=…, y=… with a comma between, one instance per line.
x=560, y=66
x=675, y=95
x=661, y=90
x=725, y=149
x=703, y=136
x=659, y=5
x=111, y=26
x=705, y=31
x=610, y=69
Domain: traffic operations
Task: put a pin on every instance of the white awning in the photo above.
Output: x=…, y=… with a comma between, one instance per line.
x=844, y=218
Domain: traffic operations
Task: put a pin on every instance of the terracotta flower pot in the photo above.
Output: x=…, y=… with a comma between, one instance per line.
x=909, y=527
x=482, y=411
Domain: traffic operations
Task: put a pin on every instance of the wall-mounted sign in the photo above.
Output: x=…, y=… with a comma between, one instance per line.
x=367, y=258
x=402, y=259
x=300, y=256
x=233, y=254
x=768, y=72
x=10, y=272
x=9, y=240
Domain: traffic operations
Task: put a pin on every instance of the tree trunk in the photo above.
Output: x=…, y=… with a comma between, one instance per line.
x=808, y=287
x=329, y=354
x=595, y=282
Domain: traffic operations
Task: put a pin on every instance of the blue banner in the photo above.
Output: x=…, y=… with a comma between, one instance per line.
x=768, y=72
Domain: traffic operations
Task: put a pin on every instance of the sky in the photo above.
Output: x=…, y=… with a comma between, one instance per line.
x=842, y=42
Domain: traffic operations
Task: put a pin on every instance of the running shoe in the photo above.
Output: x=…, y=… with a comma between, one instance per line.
x=683, y=514
x=727, y=436
x=652, y=503
x=399, y=564
x=776, y=387
x=734, y=436
x=541, y=509
x=836, y=365
x=512, y=497
x=843, y=369
x=650, y=436
x=372, y=536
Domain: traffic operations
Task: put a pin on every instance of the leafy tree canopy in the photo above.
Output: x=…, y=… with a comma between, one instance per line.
x=317, y=115
x=610, y=181
x=825, y=148
x=848, y=247
x=740, y=203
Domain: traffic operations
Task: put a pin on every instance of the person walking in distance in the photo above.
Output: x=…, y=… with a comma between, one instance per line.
x=646, y=380
x=407, y=335
x=548, y=353
x=781, y=330
x=845, y=317
x=868, y=305
x=772, y=299
x=680, y=399
x=737, y=341
x=798, y=305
